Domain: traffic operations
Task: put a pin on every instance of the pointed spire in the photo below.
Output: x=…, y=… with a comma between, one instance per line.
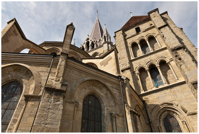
x=74, y=42
x=105, y=32
x=97, y=30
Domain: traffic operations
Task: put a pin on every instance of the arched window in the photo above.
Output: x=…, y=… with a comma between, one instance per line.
x=144, y=47
x=156, y=76
x=91, y=115
x=167, y=73
x=10, y=94
x=96, y=54
x=145, y=80
x=135, y=49
x=26, y=50
x=92, y=64
x=92, y=45
x=153, y=43
x=171, y=124
x=87, y=45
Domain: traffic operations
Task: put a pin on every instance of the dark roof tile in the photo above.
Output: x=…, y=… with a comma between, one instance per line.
x=133, y=21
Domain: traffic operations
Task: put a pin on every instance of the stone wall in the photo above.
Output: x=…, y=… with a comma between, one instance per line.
x=107, y=63
x=82, y=81
x=180, y=97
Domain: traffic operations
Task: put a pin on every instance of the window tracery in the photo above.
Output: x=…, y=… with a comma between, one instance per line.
x=10, y=94
x=91, y=115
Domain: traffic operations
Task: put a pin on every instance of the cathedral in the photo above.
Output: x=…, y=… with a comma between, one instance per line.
x=146, y=81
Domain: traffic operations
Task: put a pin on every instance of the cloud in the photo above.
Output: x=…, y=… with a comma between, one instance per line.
x=46, y=21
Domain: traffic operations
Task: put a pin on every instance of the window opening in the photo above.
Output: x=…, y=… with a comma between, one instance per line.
x=91, y=115
x=87, y=45
x=137, y=29
x=10, y=95
x=171, y=124
x=92, y=45
x=144, y=47
x=156, y=77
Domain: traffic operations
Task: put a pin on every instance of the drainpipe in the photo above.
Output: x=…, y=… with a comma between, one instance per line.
x=53, y=55
x=120, y=79
x=147, y=115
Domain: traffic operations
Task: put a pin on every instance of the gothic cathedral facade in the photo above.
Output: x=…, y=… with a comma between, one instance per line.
x=146, y=81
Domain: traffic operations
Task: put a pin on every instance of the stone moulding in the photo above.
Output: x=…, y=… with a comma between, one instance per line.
x=161, y=88
x=145, y=55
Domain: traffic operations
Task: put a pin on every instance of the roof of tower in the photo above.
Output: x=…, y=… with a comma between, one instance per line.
x=105, y=32
x=97, y=30
x=134, y=20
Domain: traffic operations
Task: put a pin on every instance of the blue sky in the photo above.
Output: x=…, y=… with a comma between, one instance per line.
x=46, y=21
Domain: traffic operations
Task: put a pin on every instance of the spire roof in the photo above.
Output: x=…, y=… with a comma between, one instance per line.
x=105, y=32
x=97, y=30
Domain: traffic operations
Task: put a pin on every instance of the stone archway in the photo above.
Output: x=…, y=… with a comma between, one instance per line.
x=74, y=104
x=31, y=81
x=159, y=112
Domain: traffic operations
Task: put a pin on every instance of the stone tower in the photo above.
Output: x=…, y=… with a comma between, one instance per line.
x=161, y=63
x=99, y=40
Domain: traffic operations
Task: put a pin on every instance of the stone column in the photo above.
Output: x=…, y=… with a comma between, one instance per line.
x=140, y=49
x=129, y=118
x=149, y=46
x=164, y=81
x=158, y=42
x=113, y=119
x=150, y=78
x=76, y=104
x=90, y=47
x=172, y=71
x=159, y=128
x=138, y=75
x=132, y=52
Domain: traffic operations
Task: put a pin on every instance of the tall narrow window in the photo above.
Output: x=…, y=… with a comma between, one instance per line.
x=135, y=50
x=156, y=76
x=171, y=124
x=87, y=45
x=144, y=47
x=10, y=94
x=92, y=45
x=91, y=115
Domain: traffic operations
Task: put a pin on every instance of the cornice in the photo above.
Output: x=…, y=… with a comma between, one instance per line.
x=148, y=54
x=104, y=76
x=162, y=88
x=104, y=55
x=28, y=58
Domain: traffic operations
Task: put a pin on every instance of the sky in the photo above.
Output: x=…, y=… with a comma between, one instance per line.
x=47, y=20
